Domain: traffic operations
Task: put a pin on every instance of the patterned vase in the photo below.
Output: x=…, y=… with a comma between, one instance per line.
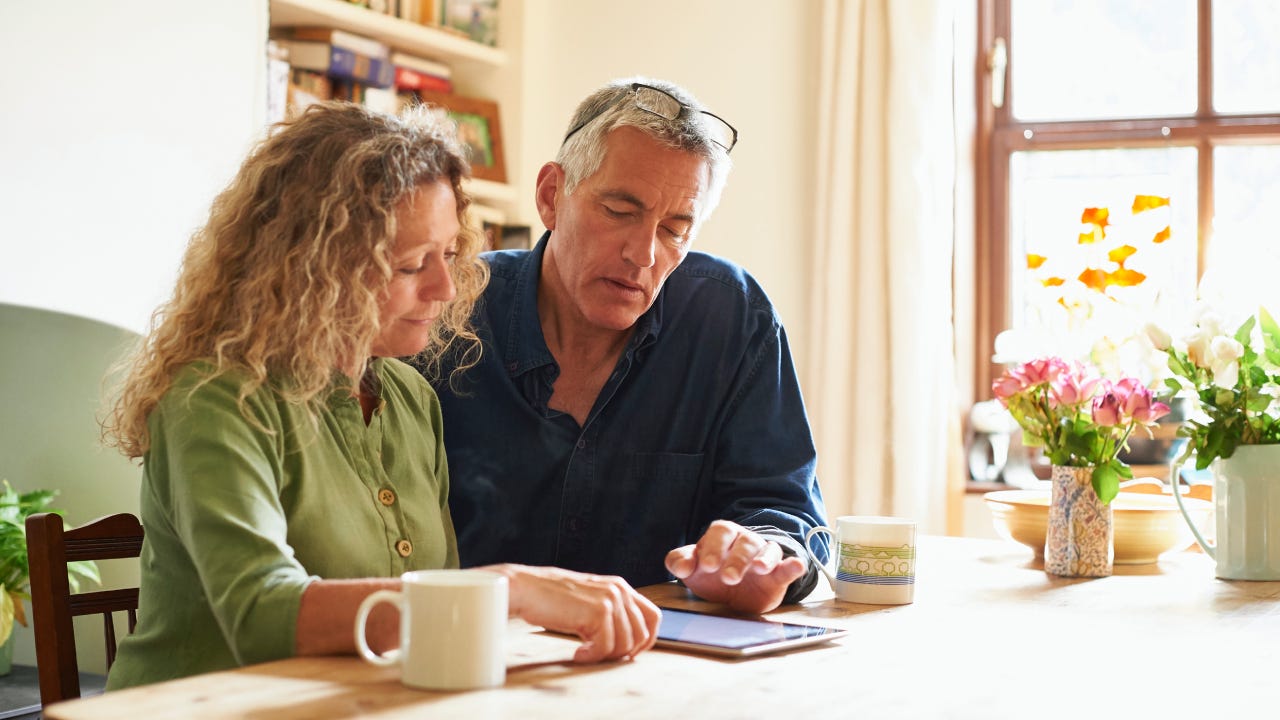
x=1078, y=540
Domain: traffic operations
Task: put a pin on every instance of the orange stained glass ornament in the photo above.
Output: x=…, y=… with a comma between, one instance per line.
x=1143, y=203
x=1094, y=279
x=1035, y=261
x=1097, y=216
x=1124, y=277
x=1162, y=235
x=1052, y=281
x=1120, y=254
x=1087, y=238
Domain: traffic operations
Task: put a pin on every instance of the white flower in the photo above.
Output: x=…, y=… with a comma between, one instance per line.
x=1198, y=347
x=1160, y=339
x=1225, y=352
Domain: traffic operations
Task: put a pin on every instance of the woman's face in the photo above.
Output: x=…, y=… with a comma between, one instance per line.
x=421, y=260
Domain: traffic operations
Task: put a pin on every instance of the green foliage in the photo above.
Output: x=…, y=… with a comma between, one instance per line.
x=14, y=509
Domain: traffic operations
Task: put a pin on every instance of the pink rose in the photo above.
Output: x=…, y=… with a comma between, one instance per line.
x=1106, y=409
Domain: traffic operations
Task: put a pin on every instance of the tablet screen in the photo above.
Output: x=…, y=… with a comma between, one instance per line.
x=735, y=636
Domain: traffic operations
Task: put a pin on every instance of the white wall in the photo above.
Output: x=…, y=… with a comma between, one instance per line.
x=753, y=63
x=120, y=122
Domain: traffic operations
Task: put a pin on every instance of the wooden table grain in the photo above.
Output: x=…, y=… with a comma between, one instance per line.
x=990, y=635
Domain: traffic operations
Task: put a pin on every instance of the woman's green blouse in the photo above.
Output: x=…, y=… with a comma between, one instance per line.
x=243, y=510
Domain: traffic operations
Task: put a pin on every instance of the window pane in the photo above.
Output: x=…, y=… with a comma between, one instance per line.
x=1246, y=64
x=1242, y=266
x=1081, y=293
x=1095, y=59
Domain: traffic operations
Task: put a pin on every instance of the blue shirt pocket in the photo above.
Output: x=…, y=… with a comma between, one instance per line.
x=663, y=488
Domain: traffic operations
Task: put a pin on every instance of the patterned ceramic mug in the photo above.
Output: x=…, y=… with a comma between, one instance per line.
x=875, y=559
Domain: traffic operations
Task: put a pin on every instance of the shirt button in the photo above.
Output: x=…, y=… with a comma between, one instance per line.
x=405, y=548
x=574, y=525
x=581, y=443
x=386, y=497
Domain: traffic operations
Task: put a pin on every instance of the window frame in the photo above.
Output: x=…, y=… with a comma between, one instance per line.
x=999, y=135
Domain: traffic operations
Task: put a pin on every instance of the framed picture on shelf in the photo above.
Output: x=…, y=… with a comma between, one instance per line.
x=477, y=19
x=478, y=129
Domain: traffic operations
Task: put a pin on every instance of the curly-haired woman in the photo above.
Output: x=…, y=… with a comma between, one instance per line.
x=291, y=465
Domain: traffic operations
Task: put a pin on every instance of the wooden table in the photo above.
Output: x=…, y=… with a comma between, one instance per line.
x=990, y=635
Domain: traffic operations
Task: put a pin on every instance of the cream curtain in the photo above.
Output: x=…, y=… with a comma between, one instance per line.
x=882, y=357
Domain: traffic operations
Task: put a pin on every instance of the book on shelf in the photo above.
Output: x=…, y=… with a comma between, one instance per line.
x=383, y=100
x=277, y=82
x=338, y=38
x=416, y=73
x=422, y=12
x=339, y=62
x=306, y=87
x=407, y=79
x=421, y=65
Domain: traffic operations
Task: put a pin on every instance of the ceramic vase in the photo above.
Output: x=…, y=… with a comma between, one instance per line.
x=1246, y=500
x=1078, y=541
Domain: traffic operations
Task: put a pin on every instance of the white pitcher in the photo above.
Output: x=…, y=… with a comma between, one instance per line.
x=1246, y=499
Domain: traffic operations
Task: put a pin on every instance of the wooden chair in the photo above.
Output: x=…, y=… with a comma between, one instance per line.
x=49, y=549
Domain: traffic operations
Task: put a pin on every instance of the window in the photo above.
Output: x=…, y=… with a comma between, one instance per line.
x=1128, y=155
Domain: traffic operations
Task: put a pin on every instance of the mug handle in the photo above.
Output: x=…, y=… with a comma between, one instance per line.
x=1175, y=481
x=362, y=618
x=821, y=566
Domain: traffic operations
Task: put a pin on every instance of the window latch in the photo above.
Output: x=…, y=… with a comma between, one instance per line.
x=997, y=64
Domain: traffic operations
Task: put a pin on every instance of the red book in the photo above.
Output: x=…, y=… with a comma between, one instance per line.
x=409, y=79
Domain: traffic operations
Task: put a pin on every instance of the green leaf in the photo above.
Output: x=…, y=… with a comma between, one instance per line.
x=1246, y=329
x=1106, y=482
x=6, y=614
x=1270, y=330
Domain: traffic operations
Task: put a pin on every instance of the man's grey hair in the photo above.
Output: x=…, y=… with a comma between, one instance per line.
x=581, y=155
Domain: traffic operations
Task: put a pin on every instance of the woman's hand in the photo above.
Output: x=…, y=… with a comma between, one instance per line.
x=613, y=619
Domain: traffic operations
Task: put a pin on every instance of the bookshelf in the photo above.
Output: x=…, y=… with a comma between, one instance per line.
x=400, y=34
x=474, y=64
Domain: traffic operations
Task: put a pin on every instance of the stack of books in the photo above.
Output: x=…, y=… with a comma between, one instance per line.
x=327, y=63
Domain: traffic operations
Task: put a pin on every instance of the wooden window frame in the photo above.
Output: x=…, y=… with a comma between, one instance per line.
x=999, y=135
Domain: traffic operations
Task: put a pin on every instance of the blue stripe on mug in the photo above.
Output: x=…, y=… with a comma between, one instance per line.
x=876, y=579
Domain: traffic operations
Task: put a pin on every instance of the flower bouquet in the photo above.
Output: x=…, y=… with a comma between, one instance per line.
x=1235, y=379
x=1082, y=421
x=1078, y=418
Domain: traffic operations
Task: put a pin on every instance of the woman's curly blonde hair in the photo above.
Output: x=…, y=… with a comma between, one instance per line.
x=282, y=284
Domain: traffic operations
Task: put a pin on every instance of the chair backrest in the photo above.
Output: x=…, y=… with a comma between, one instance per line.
x=49, y=549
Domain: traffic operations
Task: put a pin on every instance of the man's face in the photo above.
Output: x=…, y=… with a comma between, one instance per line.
x=622, y=232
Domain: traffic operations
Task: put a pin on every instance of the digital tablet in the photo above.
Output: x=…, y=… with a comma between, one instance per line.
x=736, y=637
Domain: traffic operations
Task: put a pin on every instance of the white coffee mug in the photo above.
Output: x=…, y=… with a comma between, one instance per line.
x=875, y=559
x=452, y=625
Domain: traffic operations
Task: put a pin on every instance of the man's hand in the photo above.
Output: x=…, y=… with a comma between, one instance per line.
x=737, y=567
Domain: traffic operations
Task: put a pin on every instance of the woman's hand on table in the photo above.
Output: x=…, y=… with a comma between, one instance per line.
x=613, y=620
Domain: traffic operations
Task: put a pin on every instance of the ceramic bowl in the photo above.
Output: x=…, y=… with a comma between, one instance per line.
x=1146, y=525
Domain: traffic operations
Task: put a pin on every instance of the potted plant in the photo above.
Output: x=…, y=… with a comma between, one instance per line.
x=1233, y=379
x=14, y=509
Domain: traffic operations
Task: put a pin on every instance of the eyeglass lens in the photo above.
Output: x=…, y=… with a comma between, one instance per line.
x=662, y=104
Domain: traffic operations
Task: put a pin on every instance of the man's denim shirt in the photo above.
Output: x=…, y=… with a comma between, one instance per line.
x=701, y=419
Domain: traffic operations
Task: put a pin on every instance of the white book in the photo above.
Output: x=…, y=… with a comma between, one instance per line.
x=341, y=38
x=383, y=100
x=422, y=65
